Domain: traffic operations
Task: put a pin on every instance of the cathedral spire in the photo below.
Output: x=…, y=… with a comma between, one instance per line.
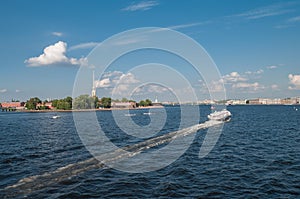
x=94, y=88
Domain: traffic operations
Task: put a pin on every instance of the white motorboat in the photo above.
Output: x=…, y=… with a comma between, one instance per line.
x=130, y=114
x=55, y=116
x=223, y=115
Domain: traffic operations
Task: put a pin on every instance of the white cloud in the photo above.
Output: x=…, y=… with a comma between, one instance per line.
x=282, y=26
x=289, y=23
x=294, y=19
x=121, y=89
x=126, y=41
x=84, y=46
x=294, y=81
x=3, y=90
x=258, y=72
x=238, y=82
x=271, y=67
x=213, y=86
x=233, y=77
x=274, y=87
x=181, y=26
x=142, y=6
x=58, y=34
x=152, y=88
x=17, y=90
x=55, y=54
x=267, y=11
x=128, y=78
x=248, y=86
x=104, y=83
x=116, y=78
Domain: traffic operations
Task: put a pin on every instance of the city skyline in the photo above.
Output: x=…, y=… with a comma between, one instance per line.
x=255, y=46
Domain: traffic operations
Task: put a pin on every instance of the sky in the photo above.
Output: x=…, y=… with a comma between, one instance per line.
x=255, y=46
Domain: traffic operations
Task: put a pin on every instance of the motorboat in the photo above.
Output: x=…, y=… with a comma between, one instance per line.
x=223, y=115
x=55, y=116
x=130, y=114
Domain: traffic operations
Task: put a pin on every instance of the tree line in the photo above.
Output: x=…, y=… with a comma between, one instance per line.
x=80, y=102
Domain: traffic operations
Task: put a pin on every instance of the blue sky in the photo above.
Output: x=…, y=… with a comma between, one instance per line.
x=255, y=44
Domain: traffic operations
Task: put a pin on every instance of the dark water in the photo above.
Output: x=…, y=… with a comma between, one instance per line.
x=257, y=156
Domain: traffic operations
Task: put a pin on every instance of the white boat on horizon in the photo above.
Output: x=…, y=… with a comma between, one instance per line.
x=223, y=115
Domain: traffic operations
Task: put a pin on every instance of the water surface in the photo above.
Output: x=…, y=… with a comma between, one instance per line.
x=257, y=156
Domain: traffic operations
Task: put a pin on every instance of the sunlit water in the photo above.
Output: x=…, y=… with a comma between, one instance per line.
x=257, y=156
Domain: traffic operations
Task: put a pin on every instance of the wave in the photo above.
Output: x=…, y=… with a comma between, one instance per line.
x=36, y=182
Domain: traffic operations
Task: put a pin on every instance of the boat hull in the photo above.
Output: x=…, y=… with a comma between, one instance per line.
x=223, y=115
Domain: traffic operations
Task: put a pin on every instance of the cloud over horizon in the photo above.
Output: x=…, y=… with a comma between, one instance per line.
x=233, y=77
x=55, y=54
x=84, y=46
x=115, y=79
x=141, y=6
x=267, y=11
x=58, y=34
x=271, y=67
x=294, y=81
x=242, y=82
x=3, y=90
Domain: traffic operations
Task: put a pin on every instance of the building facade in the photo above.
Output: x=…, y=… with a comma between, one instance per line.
x=125, y=105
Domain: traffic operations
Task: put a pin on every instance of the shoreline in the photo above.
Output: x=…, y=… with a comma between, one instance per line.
x=83, y=110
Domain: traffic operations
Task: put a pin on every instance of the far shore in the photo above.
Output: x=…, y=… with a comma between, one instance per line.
x=85, y=110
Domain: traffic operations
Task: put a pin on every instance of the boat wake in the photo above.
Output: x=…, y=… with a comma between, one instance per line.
x=32, y=183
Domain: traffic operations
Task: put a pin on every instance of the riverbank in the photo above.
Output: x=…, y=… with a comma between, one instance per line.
x=86, y=110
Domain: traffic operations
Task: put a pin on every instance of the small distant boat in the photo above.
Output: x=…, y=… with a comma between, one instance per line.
x=148, y=113
x=55, y=116
x=129, y=115
x=223, y=115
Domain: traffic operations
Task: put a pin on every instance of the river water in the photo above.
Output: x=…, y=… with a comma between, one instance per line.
x=256, y=156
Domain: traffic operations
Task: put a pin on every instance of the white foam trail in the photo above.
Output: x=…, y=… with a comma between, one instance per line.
x=31, y=183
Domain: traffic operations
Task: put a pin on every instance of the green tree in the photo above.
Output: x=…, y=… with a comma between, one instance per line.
x=106, y=102
x=65, y=104
x=148, y=102
x=84, y=102
x=32, y=102
x=142, y=103
x=69, y=100
x=54, y=103
x=124, y=99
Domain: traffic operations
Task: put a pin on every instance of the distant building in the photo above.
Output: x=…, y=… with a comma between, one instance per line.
x=124, y=105
x=14, y=105
x=235, y=102
x=253, y=101
x=206, y=101
x=288, y=101
x=48, y=105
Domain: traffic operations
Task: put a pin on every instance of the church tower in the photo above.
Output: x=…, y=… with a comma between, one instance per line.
x=156, y=100
x=94, y=87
